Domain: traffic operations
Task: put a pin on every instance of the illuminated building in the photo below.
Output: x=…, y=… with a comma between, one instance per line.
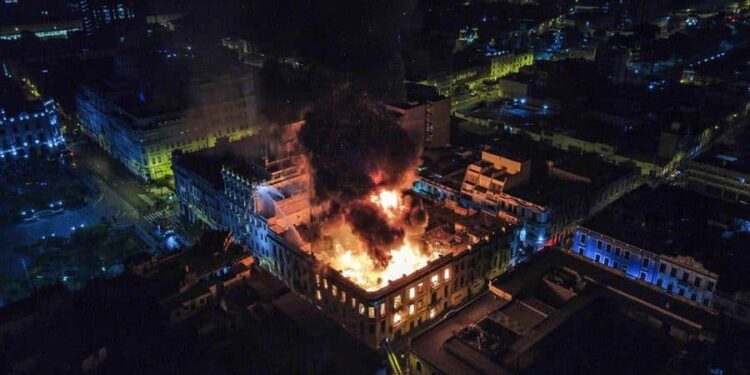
x=722, y=172
x=267, y=206
x=103, y=14
x=500, y=66
x=686, y=244
x=28, y=126
x=468, y=253
x=560, y=300
x=200, y=184
x=142, y=124
x=51, y=30
x=541, y=190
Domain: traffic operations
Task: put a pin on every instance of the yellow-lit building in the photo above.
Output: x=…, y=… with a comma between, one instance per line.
x=508, y=64
x=142, y=127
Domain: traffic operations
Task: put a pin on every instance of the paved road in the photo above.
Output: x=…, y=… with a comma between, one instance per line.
x=123, y=196
x=120, y=188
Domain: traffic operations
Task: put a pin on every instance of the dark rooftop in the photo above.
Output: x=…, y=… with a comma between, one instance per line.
x=559, y=300
x=242, y=156
x=545, y=190
x=13, y=98
x=671, y=221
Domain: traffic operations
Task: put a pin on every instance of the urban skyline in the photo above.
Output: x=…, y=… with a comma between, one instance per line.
x=406, y=187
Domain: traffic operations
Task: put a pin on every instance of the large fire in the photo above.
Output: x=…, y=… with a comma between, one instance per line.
x=349, y=256
x=359, y=155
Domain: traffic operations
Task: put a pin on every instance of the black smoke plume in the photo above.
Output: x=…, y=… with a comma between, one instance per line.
x=354, y=147
x=372, y=227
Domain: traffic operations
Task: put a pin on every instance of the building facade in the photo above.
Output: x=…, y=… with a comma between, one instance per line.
x=102, y=14
x=685, y=243
x=545, y=196
x=679, y=275
x=425, y=115
x=143, y=137
x=269, y=211
x=29, y=127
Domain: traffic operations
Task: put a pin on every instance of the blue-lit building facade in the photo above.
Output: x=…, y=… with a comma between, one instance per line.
x=678, y=275
x=688, y=244
x=29, y=131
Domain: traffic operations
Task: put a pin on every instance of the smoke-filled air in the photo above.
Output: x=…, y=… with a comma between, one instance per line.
x=361, y=161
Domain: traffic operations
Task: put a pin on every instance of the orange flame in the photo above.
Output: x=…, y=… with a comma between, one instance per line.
x=349, y=257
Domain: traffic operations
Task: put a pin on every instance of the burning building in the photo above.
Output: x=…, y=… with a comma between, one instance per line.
x=332, y=214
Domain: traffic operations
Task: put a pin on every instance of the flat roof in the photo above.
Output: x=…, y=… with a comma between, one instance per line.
x=554, y=297
x=241, y=156
x=429, y=345
x=523, y=279
x=447, y=166
x=545, y=191
x=677, y=222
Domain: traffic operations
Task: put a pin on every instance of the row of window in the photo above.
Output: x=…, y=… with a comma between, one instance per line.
x=397, y=300
x=682, y=292
x=607, y=247
x=664, y=268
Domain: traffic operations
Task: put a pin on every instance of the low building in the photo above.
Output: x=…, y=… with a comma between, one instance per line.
x=470, y=251
x=688, y=245
x=48, y=30
x=561, y=300
x=451, y=83
x=198, y=277
x=28, y=125
x=504, y=65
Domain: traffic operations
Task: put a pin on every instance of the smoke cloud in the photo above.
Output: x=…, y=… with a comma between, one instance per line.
x=373, y=228
x=356, y=148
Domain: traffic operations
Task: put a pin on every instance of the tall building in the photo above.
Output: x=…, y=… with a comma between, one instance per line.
x=147, y=109
x=28, y=125
x=425, y=115
x=611, y=62
x=99, y=15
